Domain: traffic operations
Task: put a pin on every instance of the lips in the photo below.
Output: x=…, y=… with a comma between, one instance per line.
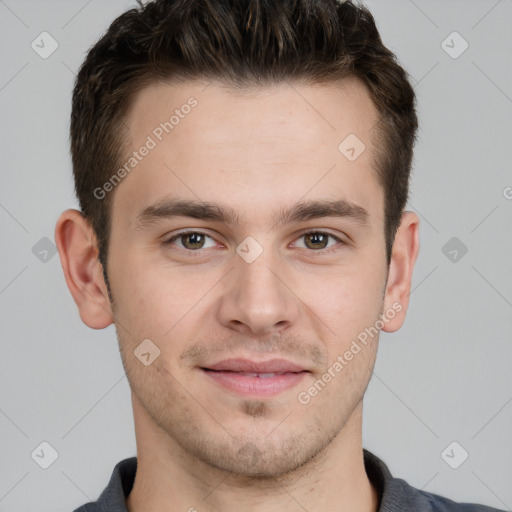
x=262, y=367
x=256, y=379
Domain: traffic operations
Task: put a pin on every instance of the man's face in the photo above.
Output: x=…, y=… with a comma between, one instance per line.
x=248, y=311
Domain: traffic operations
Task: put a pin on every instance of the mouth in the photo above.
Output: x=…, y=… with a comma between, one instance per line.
x=256, y=379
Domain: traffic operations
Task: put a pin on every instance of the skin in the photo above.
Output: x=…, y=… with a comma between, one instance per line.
x=198, y=444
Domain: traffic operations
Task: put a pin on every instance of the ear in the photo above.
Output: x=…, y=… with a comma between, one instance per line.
x=403, y=256
x=78, y=252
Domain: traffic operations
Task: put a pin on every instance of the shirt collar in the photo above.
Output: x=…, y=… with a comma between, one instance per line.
x=395, y=495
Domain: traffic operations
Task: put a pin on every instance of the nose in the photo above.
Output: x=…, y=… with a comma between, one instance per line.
x=257, y=300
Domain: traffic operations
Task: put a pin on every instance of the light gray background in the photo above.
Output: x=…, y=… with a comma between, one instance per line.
x=445, y=376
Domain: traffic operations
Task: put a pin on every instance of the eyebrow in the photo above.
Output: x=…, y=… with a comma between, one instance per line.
x=301, y=211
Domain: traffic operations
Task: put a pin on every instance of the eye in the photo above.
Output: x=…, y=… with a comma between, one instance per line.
x=195, y=240
x=318, y=240
x=191, y=240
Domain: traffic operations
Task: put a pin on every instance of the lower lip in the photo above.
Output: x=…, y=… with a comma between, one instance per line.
x=255, y=386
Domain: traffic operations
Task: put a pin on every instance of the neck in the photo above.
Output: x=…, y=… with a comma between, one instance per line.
x=169, y=479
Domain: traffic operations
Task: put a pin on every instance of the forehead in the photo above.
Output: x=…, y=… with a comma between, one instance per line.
x=320, y=110
x=248, y=148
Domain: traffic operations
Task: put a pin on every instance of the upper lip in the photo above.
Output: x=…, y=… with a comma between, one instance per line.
x=246, y=365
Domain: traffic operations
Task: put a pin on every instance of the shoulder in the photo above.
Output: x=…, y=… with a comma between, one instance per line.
x=422, y=501
x=396, y=495
x=443, y=504
x=113, y=497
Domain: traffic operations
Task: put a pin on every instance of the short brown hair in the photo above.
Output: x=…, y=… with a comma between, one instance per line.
x=244, y=43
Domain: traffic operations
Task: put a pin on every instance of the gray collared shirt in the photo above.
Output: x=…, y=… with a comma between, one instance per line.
x=396, y=495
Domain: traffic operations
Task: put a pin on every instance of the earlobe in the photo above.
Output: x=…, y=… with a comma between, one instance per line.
x=405, y=251
x=78, y=252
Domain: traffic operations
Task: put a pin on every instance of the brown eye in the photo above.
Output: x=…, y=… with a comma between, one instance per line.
x=318, y=240
x=192, y=240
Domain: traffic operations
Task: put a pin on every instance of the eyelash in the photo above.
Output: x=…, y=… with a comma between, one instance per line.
x=321, y=251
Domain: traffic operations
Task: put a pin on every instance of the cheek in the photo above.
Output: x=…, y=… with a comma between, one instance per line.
x=162, y=303
x=347, y=303
x=349, y=294
x=147, y=304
